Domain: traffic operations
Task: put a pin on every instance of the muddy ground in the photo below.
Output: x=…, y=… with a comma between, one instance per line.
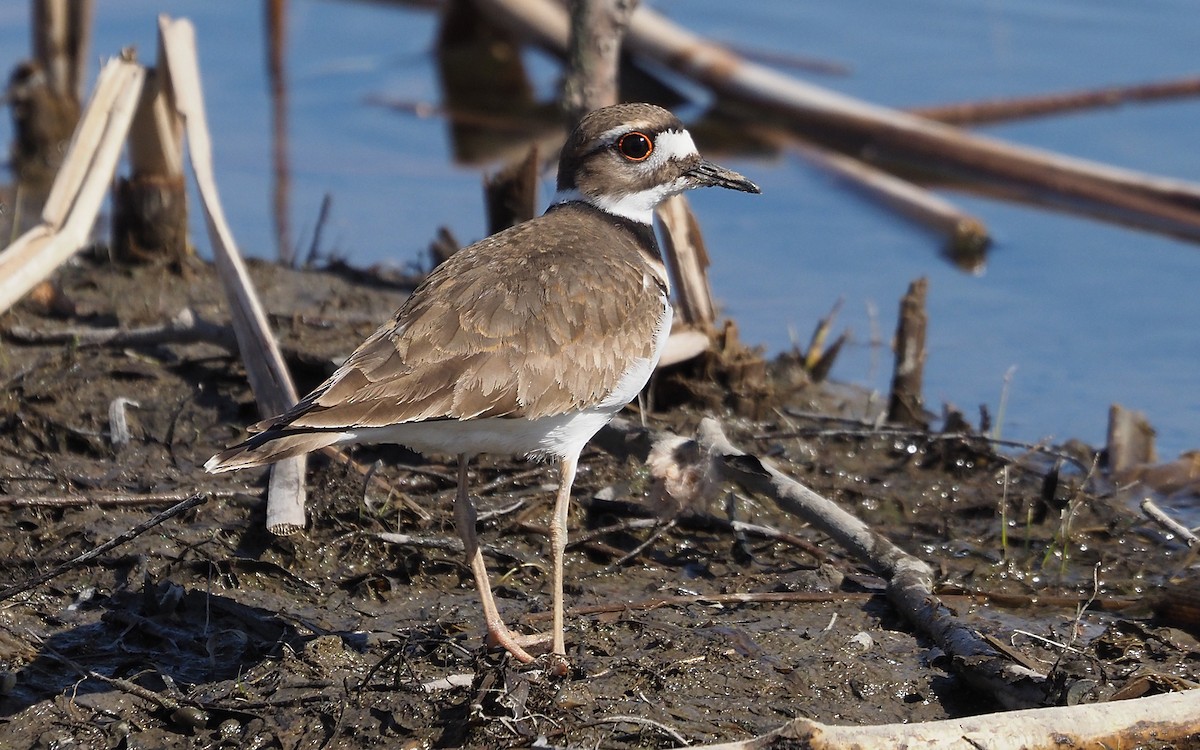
x=206, y=631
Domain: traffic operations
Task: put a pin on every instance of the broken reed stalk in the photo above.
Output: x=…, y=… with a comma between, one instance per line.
x=79, y=188
x=683, y=246
x=906, y=404
x=61, y=38
x=1024, y=107
x=268, y=374
x=1150, y=201
x=276, y=42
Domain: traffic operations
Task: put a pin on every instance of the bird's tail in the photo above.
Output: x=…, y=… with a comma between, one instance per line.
x=270, y=446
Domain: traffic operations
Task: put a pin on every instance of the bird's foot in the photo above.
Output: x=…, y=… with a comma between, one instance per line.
x=517, y=645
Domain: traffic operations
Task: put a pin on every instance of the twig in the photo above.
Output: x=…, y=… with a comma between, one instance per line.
x=164, y=702
x=185, y=327
x=116, y=499
x=141, y=528
x=659, y=529
x=674, y=735
x=1159, y=516
x=998, y=110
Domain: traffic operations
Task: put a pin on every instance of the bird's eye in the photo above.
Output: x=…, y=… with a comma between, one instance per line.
x=635, y=146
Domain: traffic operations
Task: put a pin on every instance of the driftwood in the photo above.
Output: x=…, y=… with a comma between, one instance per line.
x=910, y=581
x=906, y=403
x=1150, y=201
x=701, y=465
x=269, y=377
x=999, y=110
x=966, y=236
x=1170, y=720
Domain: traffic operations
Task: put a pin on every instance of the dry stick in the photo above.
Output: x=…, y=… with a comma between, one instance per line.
x=910, y=581
x=1171, y=720
x=115, y=499
x=1153, y=200
x=966, y=236
x=1159, y=516
x=136, y=531
x=905, y=403
x=718, y=600
x=185, y=327
x=80, y=186
x=997, y=110
x=268, y=374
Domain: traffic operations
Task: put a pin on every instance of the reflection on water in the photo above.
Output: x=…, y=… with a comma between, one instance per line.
x=1087, y=313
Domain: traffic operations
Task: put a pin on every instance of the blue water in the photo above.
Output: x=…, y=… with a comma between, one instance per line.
x=1084, y=314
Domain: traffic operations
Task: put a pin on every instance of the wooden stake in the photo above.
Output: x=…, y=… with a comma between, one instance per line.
x=511, y=194
x=150, y=206
x=597, y=27
x=906, y=406
x=268, y=374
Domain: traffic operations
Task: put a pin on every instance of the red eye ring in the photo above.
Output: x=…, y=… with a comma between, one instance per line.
x=635, y=146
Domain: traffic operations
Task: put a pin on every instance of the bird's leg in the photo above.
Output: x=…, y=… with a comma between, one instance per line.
x=558, y=545
x=464, y=519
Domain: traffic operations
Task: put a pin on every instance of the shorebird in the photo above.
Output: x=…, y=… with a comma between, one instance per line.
x=524, y=343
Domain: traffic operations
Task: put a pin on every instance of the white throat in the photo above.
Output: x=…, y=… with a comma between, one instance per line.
x=637, y=207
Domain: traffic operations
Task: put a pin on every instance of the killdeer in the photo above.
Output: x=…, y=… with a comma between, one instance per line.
x=525, y=343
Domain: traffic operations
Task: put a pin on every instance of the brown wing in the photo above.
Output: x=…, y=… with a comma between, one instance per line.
x=503, y=329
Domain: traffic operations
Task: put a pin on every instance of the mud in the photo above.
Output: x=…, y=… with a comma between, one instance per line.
x=206, y=631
